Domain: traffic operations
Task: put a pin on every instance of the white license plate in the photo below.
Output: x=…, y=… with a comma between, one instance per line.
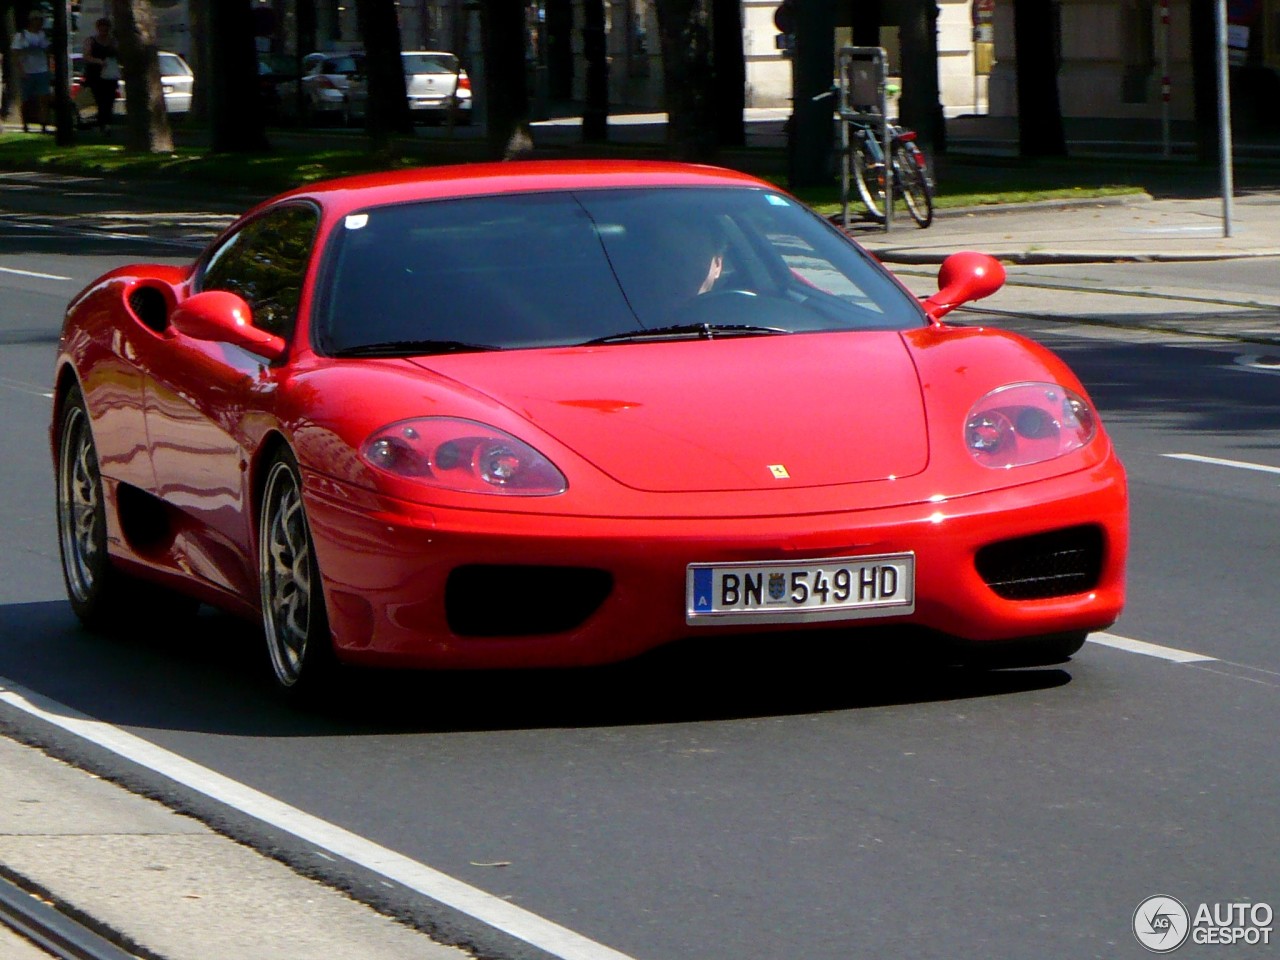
x=840, y=588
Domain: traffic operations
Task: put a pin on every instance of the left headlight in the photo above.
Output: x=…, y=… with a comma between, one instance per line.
x=1024, y=423
x=462, y=455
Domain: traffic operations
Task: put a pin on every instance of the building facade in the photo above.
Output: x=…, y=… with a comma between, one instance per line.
x=1122, y=59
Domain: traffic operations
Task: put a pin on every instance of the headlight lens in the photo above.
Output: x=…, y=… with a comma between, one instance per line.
x=462, y=455
x=1025, y=423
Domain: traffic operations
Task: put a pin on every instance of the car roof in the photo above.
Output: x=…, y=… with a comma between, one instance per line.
x=525, y=176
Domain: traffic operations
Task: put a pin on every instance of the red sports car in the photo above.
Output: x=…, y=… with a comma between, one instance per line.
x=549, y=414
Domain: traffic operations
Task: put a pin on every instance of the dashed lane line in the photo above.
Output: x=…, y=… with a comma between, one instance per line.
x=1221, y=462
x=1172, y=654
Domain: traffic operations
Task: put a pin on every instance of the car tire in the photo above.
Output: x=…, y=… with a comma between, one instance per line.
x=104, y=598
x=294, y=621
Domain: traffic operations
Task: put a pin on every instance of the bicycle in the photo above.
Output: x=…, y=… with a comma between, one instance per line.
x=910, y=171
x=862, y=159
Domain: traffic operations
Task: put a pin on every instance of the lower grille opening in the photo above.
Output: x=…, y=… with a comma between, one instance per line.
x=510, y=600
x=1044, y=565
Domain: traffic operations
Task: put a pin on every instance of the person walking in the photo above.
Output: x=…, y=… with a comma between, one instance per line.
x=102, y=70
x=32, y=49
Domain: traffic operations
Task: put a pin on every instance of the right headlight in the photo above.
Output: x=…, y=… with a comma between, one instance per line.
x=1023, y=423
x=464, y=456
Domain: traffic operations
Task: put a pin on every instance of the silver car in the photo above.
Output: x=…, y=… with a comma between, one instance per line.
x=177, y=80
x=436, y=83
x=333, y=85
x=336, y=85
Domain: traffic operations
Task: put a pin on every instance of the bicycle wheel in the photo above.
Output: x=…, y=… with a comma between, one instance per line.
x=908, y=168
x=868, y=175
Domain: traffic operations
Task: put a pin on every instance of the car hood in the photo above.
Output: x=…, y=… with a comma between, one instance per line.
x=719, y=415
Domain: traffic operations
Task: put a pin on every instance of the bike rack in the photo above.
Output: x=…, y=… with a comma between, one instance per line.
x=863, y=101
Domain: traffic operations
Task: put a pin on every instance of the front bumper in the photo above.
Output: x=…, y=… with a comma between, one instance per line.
x=386, y=568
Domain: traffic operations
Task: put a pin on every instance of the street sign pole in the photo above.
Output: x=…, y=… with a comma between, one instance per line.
x=1224, y=115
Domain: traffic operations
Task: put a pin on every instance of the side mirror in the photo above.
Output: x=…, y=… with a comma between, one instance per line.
x=964, y=276
x=222, y=317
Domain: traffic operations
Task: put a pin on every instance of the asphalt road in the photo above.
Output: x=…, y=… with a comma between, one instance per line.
x=769, y=800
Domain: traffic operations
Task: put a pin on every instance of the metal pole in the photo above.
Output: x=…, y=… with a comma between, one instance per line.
x=887, y=140
x=845, y=161
x=1224, y=115
x=843, y=109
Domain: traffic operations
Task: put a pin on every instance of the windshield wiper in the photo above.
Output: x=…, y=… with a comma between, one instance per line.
x=688, y=331
x=406, y=348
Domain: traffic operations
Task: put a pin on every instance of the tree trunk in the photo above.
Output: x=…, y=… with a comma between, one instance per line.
x=147, y=122
x=506, y=78
x=920, y=105
x=387, y=105
x=63, y=109
x=595, y=115
x=1035, y=39
x=307, y=42
x=560, y=49
x=1204, y=78
x=811, y=160
x=8, y=70
x=865, y=17
x=200, y=57
x=684, y=27
x=236, y=123
x=729, y=92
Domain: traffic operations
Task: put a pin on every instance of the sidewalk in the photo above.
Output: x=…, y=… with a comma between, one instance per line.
x=1132, y=228
x=162, y=885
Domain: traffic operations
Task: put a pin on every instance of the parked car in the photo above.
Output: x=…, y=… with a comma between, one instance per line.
x=176, y=80
x=561, y=413
x=336, y=85
x=333, y=86
x=435, y=84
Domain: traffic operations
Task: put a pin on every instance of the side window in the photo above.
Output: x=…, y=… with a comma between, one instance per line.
x=265, y=262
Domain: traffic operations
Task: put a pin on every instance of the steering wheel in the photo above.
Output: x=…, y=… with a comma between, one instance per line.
x=735, y=306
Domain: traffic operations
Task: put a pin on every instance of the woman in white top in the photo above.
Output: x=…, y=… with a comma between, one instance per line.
x=32, y=48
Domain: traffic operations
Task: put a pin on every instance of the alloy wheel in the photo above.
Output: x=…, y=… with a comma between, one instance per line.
x=80, y=510
x=285, y=567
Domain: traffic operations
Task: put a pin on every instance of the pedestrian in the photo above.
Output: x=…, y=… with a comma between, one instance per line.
x=102, y=70
x=32, y=47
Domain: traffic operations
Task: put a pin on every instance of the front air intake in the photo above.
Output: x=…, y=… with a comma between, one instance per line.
x=512, y=600
x=1045, y=565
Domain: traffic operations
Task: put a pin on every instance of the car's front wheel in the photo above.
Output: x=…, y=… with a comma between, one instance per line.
x=299, y=645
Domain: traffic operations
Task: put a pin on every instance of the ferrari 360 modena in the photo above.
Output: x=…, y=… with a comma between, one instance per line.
x=555, y=414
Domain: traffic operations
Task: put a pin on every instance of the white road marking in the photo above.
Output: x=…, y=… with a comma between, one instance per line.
x=21, y=387
x=1220, y=462
x=32, y=273
x=497, y=913
x=1171, y=654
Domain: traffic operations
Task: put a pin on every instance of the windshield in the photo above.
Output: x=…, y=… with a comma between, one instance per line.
x=172, y=65
x=558, y=269
x=343, y=65
x=415, y=63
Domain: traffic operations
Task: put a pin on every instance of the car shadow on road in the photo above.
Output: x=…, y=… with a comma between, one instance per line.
x=211, y=677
